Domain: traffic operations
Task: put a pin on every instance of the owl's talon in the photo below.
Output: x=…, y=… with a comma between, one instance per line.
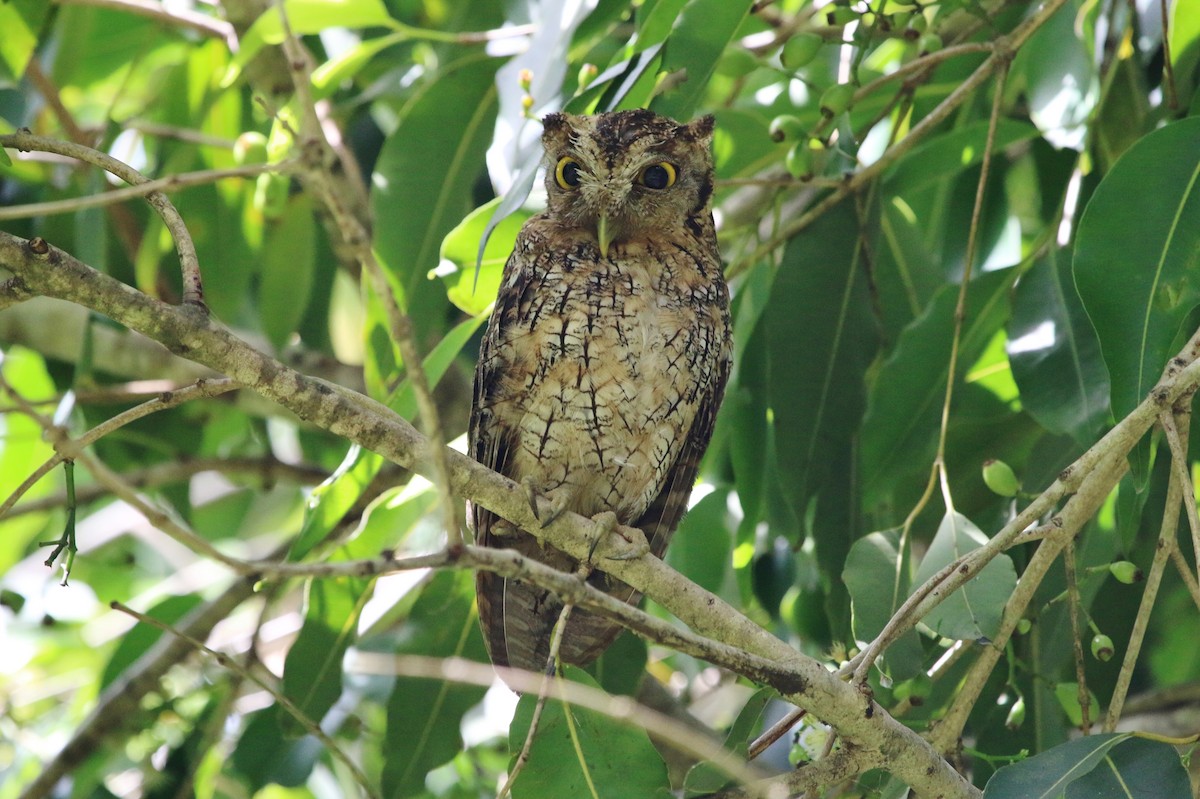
x=557, y=508
x=639, y=546
x=531, y=496
x=607, y=524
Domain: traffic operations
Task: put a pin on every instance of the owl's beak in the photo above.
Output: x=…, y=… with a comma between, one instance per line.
x=603, y=234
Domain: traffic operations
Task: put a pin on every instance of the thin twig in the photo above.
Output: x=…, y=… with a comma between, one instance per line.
x=1179, y=462
x=176, y=17
x=619, y=708
x=167, y=184
x=1185, y=571
x=1083, y=696
x=1002, y=51
x=556, y=638
x=225, y=661
x=193, y=289
x=399, y=323
x=171, y=399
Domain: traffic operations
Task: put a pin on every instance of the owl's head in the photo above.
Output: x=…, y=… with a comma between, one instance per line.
x=624, y=174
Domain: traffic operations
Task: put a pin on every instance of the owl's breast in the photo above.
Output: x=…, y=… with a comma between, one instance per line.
x=610, y=360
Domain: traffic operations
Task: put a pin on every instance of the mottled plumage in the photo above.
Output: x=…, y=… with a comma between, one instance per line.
x=605, y=358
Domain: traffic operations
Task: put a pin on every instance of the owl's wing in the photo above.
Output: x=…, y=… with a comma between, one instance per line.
x=490, y=440
x=667, y=508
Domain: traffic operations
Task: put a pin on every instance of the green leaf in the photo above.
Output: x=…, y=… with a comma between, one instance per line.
x=820, y=338
x=949, y=154
x=1057, y=71
x=705, y=778
x=304, y=17
x=973, y=611
x=312, y=672
x=329, y=502
x=142, y=636
x=702, y=544
x=1137, y=261
x=899, y=435
x=1046, y=776
x=1135, y=769
x=264, y=756
x=422, y=188
x=390, y=519
x=655, y=19
x=701, y=33
x=20, y=20
x=289, y=257
x=328, y=76
x=1067, y=694
x=423, y=715
x=877, y=577
x=461, y=248
x=1054, y=352
x=617, y=759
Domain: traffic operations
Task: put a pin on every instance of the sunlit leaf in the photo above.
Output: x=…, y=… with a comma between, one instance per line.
x=1136, y=263
x=972, y=612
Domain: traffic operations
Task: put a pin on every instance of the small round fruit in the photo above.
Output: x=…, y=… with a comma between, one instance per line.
x=786, y=128
x=837, y=99
x=999, y=477
x=800, y=50
x=250, y=148
x=1102, y=647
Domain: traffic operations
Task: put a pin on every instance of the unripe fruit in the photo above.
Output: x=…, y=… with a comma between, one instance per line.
x=1125, y=572
x=800, y=50
x=786, y=127
x=999, y=477
x=587, y=74
x=799, y=161
x=836, y=99
x=1016, y=714
x=929, y=43
x=250, y=148
x=737, y=63
x=1102, y=647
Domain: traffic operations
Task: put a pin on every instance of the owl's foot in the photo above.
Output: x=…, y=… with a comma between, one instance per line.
x=533, y=494
x=609, y=525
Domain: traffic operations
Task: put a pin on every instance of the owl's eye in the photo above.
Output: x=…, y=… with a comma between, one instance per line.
x=658, y=176
x=567, y=172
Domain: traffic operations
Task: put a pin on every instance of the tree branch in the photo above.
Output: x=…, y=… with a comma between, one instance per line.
x=189, y=331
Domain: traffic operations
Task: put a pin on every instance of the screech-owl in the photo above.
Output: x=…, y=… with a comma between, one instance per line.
x=605, y=358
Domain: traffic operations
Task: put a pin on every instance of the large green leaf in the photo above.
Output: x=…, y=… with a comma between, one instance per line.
x=1054, y=353
x=820, y=339
x=1046, y=776
x=899, y=435
x=973, y=611
x=423, y=715
x=312, y=672
x=1137, y=257
x=288, y=259
x=20, y=20
x=474, y=293
x=877, y=577
x=950, y=153
x=577, y=751
x=702, y=31
x=1135, y=769
x=702, y=543
x=422, y=188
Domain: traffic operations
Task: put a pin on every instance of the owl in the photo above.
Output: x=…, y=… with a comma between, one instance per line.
x=604, y=360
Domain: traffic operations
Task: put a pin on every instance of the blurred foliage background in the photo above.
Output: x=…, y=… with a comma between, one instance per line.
x=898, y=324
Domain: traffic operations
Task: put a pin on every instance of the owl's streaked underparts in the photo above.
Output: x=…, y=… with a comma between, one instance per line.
x=604, y=360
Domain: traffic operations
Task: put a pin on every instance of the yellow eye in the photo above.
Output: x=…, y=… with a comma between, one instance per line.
x=566, y=174
x=658, y=176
